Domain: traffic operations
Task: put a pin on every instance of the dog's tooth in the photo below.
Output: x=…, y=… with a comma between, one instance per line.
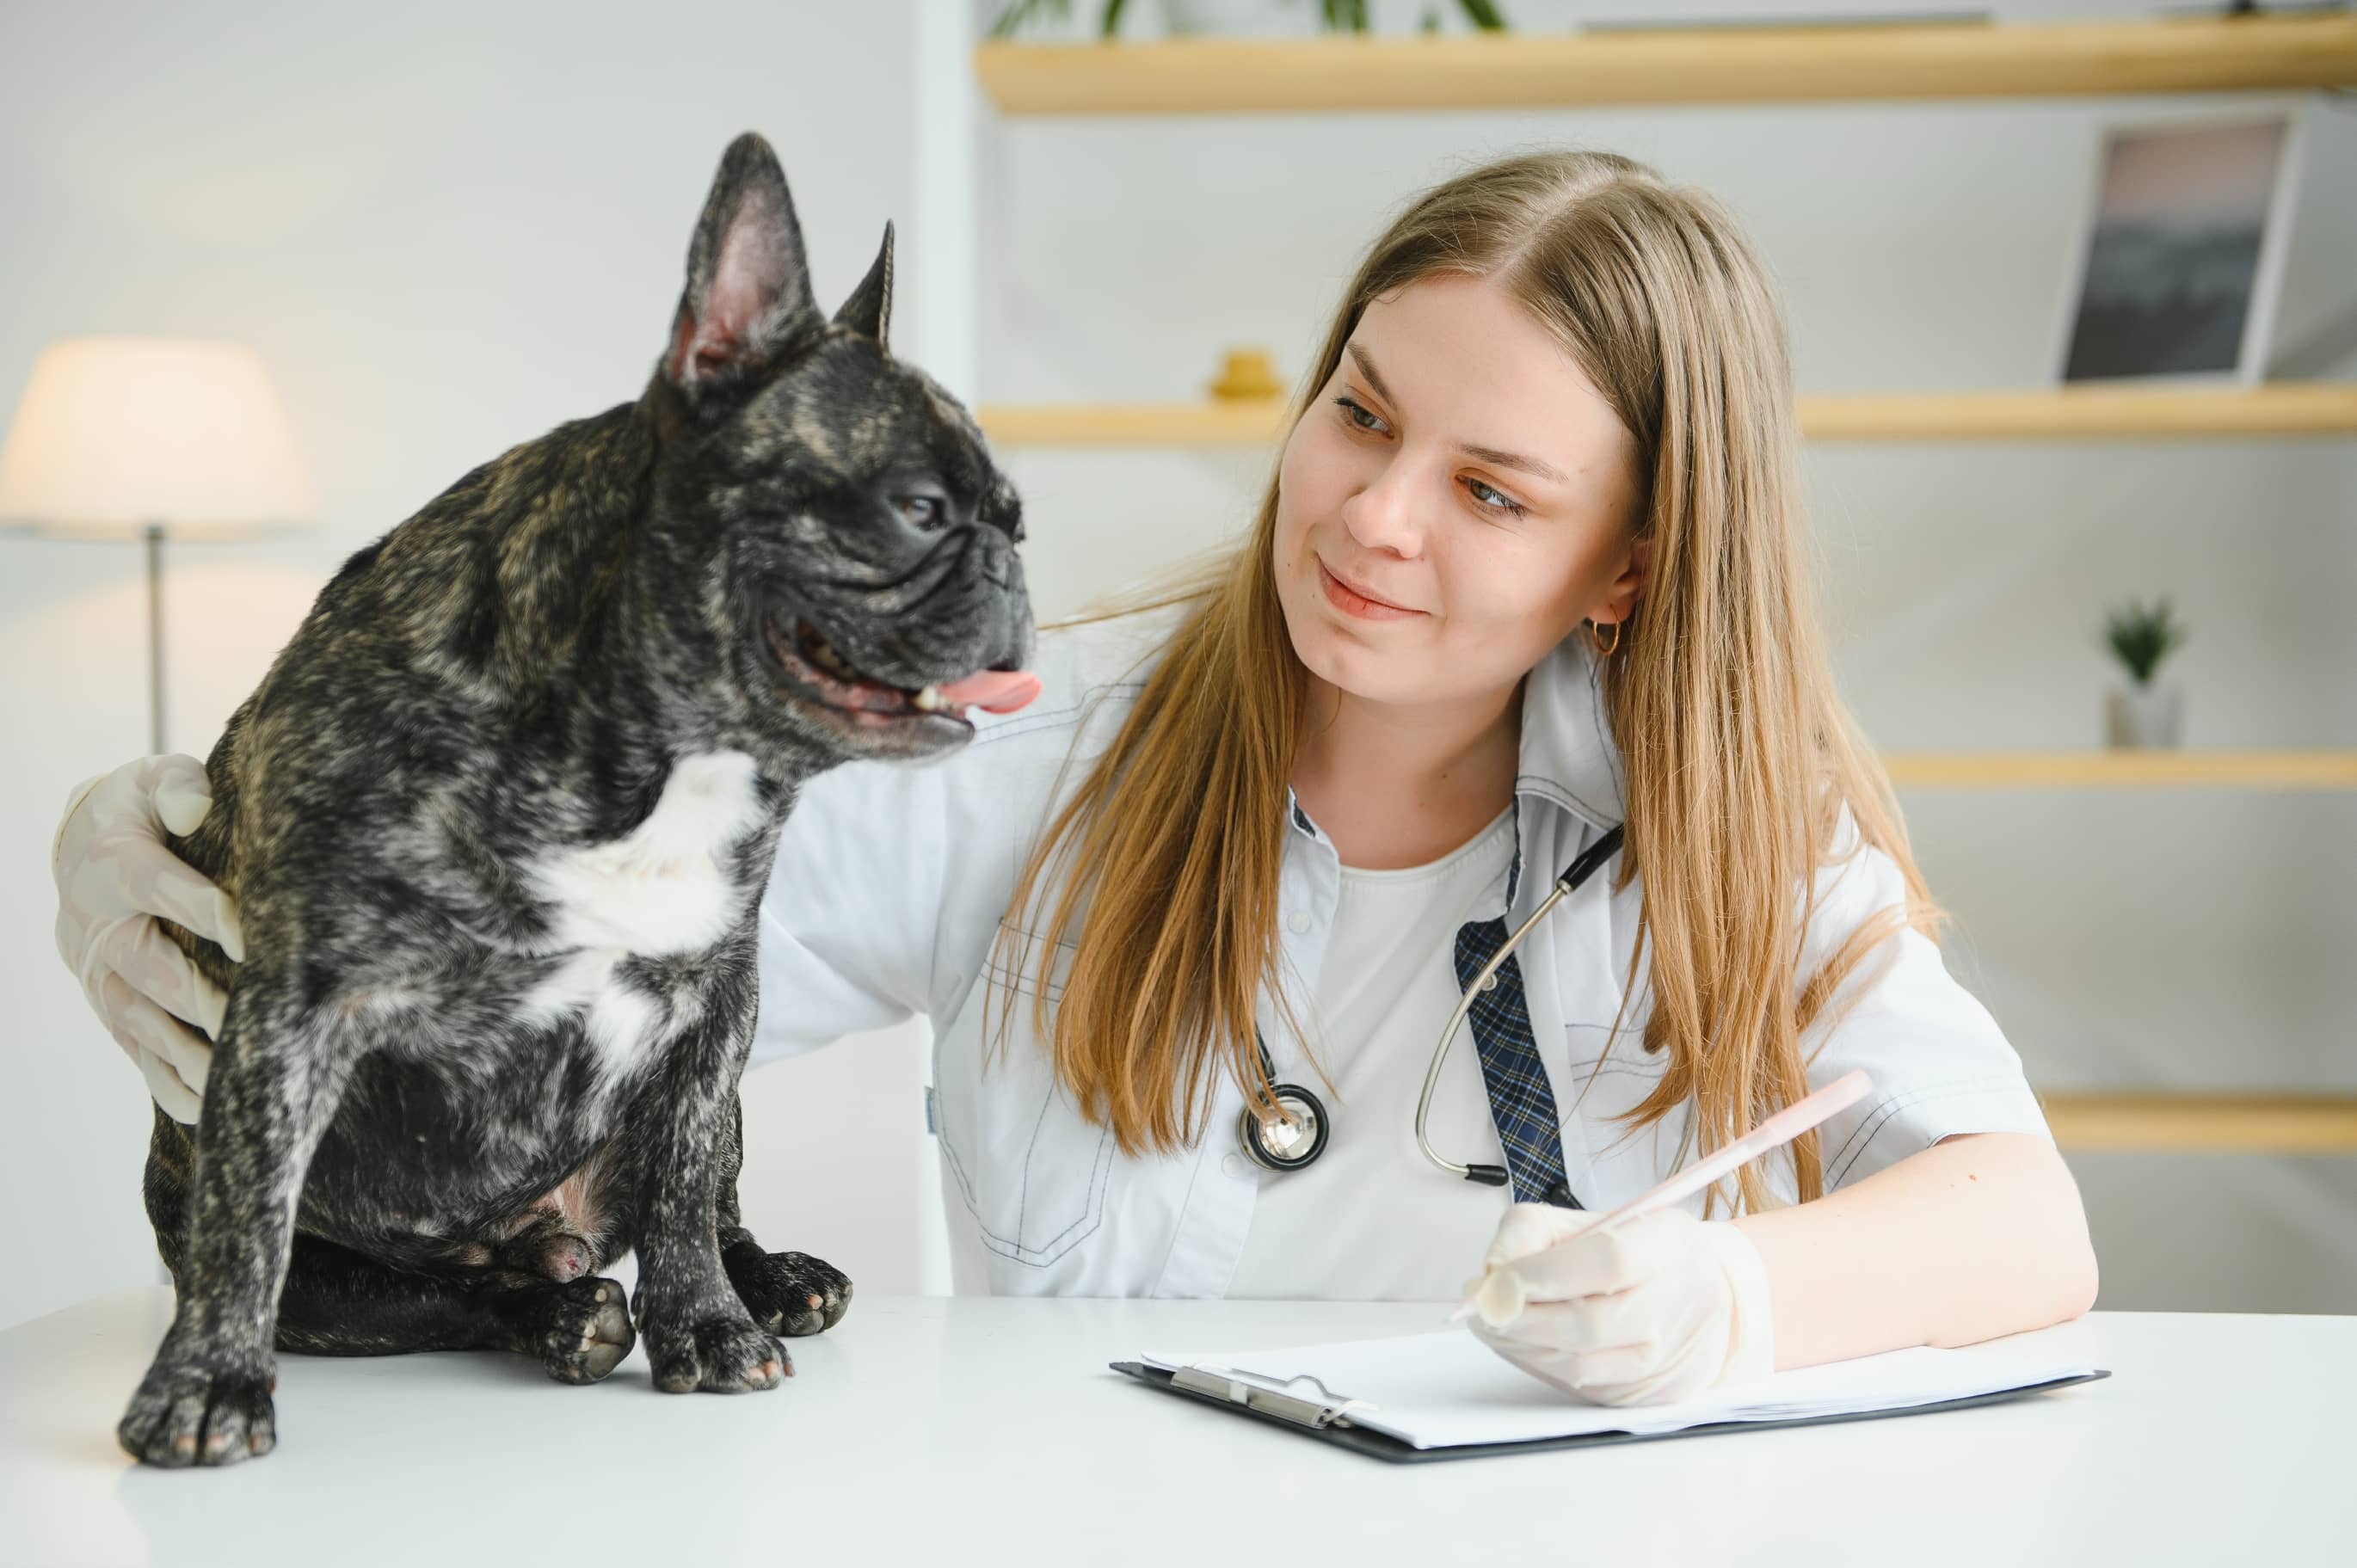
x=824, y=655
x=930, y=700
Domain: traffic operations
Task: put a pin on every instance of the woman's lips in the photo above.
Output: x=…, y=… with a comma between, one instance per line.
x=1352, y=602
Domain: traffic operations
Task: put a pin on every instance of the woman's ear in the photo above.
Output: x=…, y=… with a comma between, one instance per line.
x=1631, y=584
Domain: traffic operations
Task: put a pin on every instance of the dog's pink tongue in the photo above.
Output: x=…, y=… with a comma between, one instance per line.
x=993, y=690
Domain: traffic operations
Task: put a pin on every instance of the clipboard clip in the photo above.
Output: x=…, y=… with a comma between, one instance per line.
x=1227, y=1383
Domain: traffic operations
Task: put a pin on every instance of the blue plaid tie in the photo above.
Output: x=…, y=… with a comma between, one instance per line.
x=1521, y=1102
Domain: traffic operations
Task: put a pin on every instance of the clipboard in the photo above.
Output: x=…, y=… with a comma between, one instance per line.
x=1327, y=1417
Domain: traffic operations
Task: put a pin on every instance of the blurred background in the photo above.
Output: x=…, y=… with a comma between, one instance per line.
x=444, y=228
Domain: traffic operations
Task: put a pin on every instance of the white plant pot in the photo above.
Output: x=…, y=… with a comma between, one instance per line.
x=2145, y=717
x=1241, y=18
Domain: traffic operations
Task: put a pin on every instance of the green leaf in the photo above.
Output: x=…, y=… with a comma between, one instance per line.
x=1020, y=12
x=2142, y=636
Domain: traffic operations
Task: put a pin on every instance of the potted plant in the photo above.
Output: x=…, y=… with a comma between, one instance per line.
x=1229, y=18
x=1350, y=15
x=2142, y=714
x=1019, y=11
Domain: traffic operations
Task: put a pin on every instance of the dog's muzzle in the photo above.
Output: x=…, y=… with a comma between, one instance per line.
x=821, y=675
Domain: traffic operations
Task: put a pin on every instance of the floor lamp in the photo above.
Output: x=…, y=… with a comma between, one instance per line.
x=136, y=437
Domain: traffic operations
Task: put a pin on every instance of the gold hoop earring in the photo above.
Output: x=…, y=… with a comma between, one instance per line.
x=1596, y=635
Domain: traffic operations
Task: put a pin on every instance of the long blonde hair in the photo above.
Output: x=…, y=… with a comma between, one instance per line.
x=1739, y=753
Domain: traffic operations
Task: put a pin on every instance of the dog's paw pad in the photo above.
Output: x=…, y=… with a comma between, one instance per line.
x=720, y=1356
x=187, y=1416
x=587, y=1330
x=790, y=1293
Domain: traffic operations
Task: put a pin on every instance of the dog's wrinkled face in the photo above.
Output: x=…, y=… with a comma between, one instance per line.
x=865, y=584
x=870, y=545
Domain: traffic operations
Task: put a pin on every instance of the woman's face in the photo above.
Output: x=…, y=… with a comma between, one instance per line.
x=1455, y=502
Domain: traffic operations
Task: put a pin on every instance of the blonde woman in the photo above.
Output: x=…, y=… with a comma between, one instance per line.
x=1532, y=567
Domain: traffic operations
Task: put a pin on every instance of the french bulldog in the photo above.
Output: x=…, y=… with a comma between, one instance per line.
x=499, y=819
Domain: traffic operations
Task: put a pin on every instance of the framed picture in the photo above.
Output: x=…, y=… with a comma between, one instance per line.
x=2179, y=267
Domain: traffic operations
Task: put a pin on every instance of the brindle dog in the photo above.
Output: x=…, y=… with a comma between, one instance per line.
x=499, y=819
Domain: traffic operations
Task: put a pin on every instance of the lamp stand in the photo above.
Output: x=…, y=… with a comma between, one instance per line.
x=154, y=640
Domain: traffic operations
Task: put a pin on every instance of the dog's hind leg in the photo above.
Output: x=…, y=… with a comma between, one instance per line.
x=791, y=1293
x=340, y=1303
x=337, y=1302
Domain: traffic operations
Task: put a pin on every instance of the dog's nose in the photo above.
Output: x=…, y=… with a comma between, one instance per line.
x=1020, y=658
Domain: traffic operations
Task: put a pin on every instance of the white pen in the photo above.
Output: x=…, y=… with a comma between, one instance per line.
x=1499, y=1295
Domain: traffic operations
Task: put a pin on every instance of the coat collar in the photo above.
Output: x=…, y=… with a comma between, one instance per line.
x=1569, y=755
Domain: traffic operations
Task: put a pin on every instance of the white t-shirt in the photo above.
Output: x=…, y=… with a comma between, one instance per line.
x=1347, y=1226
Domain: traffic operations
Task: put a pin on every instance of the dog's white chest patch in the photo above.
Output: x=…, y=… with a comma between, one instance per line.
x=662, y=889
x=622, y=1022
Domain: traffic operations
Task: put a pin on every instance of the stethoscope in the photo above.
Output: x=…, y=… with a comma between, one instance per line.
x=1299, y=1135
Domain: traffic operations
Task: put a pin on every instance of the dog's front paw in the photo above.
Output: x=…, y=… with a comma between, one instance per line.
x=723, y=1355
x=190, y=1413
x=580, y=1329
x=791, y=1293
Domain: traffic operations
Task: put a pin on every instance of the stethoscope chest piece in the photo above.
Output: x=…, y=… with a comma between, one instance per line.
x=1290, y=1143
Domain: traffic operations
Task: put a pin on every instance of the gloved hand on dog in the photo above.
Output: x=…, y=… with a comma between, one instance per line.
x=115, y=875
x=1653, y=1311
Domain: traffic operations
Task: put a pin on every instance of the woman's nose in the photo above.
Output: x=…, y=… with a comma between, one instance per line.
x=1383, y=516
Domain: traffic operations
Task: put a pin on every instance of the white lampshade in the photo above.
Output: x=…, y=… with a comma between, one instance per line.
x=116, y=433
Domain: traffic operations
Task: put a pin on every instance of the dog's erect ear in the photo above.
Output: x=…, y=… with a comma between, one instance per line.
x=749, y=290
x=869, y=309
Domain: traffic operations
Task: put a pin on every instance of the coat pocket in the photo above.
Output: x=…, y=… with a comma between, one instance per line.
x=1032, y=1170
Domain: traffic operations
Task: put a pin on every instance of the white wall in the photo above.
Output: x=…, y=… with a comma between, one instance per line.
x=448, y=227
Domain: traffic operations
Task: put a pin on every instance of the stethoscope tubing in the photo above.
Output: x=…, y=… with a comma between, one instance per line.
x=1584, y=866
x=1488, y=1175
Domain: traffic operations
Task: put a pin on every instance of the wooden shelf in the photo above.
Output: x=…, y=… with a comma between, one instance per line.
x=2074, y=413
x=2205, y=1123
x=2086, y=412
x=1765, y=65
x=2197, y=769
x=1256, y=423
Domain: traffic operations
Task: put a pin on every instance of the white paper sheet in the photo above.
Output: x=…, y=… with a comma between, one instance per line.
x=1443, y=1389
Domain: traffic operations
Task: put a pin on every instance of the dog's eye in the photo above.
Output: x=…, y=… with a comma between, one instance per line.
x=925, y=511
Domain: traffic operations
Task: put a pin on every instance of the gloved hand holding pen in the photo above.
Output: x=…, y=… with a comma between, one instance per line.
x=1658, y=1309
x=1645, y=1305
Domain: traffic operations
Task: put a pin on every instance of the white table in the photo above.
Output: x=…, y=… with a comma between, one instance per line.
x=981, y=1431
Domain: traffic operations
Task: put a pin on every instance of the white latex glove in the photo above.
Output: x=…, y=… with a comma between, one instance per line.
x=1657, y=1310
x=114, y=875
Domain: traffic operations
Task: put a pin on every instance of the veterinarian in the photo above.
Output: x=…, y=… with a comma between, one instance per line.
x=1533, y=566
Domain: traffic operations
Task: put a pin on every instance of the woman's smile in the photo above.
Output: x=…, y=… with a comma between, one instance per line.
x=1350, y=601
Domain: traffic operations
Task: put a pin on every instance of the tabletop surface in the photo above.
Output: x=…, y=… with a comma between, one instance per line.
x=983, y=1430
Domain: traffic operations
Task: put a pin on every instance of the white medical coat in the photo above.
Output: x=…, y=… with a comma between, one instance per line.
x=892, y=882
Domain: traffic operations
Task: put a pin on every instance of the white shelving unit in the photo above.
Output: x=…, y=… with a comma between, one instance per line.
x=961, y=83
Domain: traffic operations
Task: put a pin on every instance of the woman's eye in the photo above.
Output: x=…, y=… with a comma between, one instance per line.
x=1502, y=502
x=925, y=511
x=1359, y=417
